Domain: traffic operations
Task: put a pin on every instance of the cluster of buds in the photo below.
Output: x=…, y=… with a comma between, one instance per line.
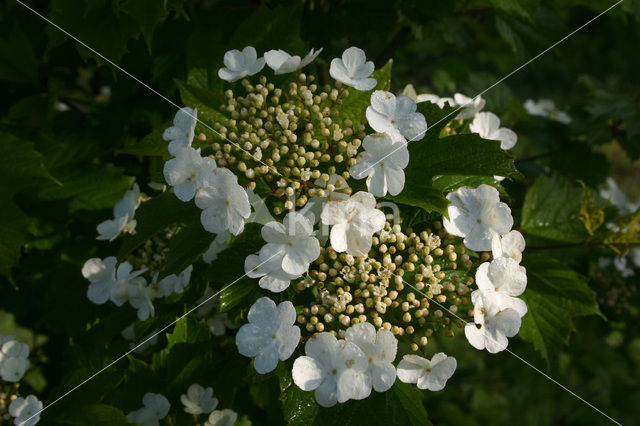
x=290, y=137
x=8, y=393
x=394, y=287
x=152, y=252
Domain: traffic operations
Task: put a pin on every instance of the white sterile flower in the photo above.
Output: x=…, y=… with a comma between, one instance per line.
x=24, y=410
x=501, y=281
x=487, y=125
x=226, y=417
x=617, y=197
x=335, y=369
x=155, y=408
x=218, y=245
x=224, y=202
x=141, y=297
x=476, y=214
x=469, y=106
x=354, y=221
x=219, y=323
x=174, y=283
x=14, y=360
x=395, y=116
x=427, y=374
x=380, y=349
x=239, y=64
x=125, y=277
x=333, y=190
x=510, y=245
x=188, y=172
x=107, y=282
x=621, y=265
x=129, y=334
x=281, y=62
x=198, y=400
x=382, y=163
x=268, y=267
x=181, y=133
x=495, y=325
x=123, y=213
x=270, y=334
x=546, y=108
x=353, y=69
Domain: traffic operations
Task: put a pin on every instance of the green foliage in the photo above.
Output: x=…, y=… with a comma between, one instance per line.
x=552, y=210
x=355, y=105
x=555, y=294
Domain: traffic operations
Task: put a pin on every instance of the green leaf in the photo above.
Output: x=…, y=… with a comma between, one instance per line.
x=449, y=183
x=156, y=215
x=188, y=330
x=552, y=210
x=13, y=228
x=89, y=188
x=208, y=104
x=355, y=105
x=147, y=14
x=437, y=118
x=422, y=195
x=467, y=154
x=402, y=404
x=151, y=145
x=554, y=295
x=299, y=407
x=18, y=62
x=185, y=247
x=20, y=165
x=94, y=414
x=624, y=234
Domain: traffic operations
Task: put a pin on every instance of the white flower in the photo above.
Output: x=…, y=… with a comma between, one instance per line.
x=107, y=282
x=125, y=277
x=621, y=265
x=546, y=108
x=281, y=62
x=380, y=350
x=427, y=374
x=182, y=132
x=336, y=370
x=226, y=417
x=224, y=202
x=353, y=69
x=219, y=323
x=198, y=400
x=188, y=172
x=141, y=297
x=501, y=281
x=174, y=283
x=155, y=407
x=510, y=245
x=123, y=213
x=435, y=100
x=239, y=64
x=617, y=197
x=395, y=116
x=129, y=334
x=354, y=222
x=382, y=163
x=487, y=125
x=270, y=334
x=14, y=360
x=476, y=214
x=469, y=106
x=291, y=247
x=495, y=325
x=218, y=245
x=24, y=410
x=333, y=190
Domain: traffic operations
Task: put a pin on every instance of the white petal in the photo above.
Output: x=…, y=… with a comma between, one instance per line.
x=307, y=373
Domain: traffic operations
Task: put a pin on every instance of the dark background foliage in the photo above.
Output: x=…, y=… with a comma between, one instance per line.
x=66, y=117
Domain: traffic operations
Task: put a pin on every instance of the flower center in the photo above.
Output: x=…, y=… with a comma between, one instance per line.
x=349, y=363
x=370, y=359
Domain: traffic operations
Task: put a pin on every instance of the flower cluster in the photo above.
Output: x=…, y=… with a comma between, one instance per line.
x=123, y=212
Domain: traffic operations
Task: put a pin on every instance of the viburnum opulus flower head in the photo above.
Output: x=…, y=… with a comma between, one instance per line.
x=107, y=282
x=240, y=64
x=427, y=374
x=155, y=408
x=224, y=202
x=501, y=281
x=380, y=349
x=123, y=213
x=353, y=69
x=496, y=324
x=354, y=221
x=14, y=360
x=24, y=410
x=396, y=116
x=335, y=369
x=281, y=62
x=226, y=417
x=476, y=214
x=487, y=125
x=198, y=400
x=180, y=135
x=382, y=163
x=270, y=334
x=188, y=172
